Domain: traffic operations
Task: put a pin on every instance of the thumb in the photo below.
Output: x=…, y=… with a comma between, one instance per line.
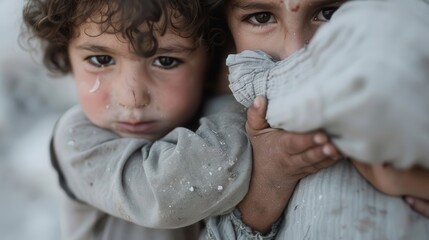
x=256, y=114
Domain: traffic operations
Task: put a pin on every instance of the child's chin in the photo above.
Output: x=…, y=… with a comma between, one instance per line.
x=149, y=137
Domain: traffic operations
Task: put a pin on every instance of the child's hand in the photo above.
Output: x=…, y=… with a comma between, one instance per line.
x=420, y=205
x=293, y=155
x=396, y=182
x=280, y=160
x=383, y=177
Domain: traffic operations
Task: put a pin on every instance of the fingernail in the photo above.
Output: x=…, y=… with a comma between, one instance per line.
x=256, y=102
x=409, y=200
x=319, y=138
x=327, y=150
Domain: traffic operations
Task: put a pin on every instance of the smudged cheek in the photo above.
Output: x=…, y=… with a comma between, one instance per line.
x=183, y=106
x=95, y=104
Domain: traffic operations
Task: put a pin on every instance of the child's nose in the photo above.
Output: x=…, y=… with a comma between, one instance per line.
x=293, y=41
x=291, y=45
x=132, y=92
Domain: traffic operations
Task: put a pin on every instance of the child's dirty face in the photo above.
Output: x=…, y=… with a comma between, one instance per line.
x=277, y=27
x=135, y=96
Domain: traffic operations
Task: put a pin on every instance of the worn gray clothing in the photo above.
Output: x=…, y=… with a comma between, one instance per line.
x=334, y=203
x=344, y=90
x=364, y=78
x=176, y=181
x=83, y=222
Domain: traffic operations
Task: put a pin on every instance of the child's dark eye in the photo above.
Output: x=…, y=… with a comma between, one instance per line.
x=166, y=62
x=261, y=18
x=325, y=14
x=101, y=60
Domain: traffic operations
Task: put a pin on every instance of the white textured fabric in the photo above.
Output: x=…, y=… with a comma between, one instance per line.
x=337, y=203
x=364, y=78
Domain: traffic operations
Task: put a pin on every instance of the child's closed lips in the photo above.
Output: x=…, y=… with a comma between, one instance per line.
x=141, y=127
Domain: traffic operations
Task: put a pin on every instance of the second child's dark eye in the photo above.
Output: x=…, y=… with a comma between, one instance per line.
x=261, y=18
x=326, y=14
x=101, y=60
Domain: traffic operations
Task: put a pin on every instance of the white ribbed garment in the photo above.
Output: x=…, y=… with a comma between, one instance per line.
x=364, y=78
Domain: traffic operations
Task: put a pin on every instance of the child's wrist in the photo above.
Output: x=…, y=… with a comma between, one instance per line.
x=414, y=182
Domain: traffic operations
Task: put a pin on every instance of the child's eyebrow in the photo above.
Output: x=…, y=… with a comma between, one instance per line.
x=252, y=5
x=178, y=48
x=264, y=5
x=94, y=48
x=322, y=2
x=174, y=49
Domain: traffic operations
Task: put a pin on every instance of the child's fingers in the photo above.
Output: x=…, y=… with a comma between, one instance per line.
x=256, y=115
x=292, y=143
x=311, y=156
x=327, y=162
x=331, y=151
x=420, y=205
x=315, y=158
x=310, y=169
x=295, y=143
x=308, y=158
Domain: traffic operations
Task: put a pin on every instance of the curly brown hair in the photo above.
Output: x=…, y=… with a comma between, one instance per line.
x=54, y=22
x=219, y=33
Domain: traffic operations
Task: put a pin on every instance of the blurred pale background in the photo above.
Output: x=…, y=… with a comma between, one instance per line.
x=30, y=103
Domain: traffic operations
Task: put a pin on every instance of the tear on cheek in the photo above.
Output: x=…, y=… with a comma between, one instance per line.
x=96, y=85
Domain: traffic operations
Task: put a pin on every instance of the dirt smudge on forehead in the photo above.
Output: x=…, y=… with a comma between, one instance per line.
x=292, y=5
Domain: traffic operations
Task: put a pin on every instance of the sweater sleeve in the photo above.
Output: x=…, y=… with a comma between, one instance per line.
x=231, y=227
x=178, y=180
x=361, y=82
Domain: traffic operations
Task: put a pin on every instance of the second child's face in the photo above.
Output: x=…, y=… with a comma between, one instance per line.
x=277, y=27
x=135, y=96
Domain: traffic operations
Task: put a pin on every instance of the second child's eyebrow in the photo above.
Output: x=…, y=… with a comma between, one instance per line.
x=252, y=5
x=265, y=5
